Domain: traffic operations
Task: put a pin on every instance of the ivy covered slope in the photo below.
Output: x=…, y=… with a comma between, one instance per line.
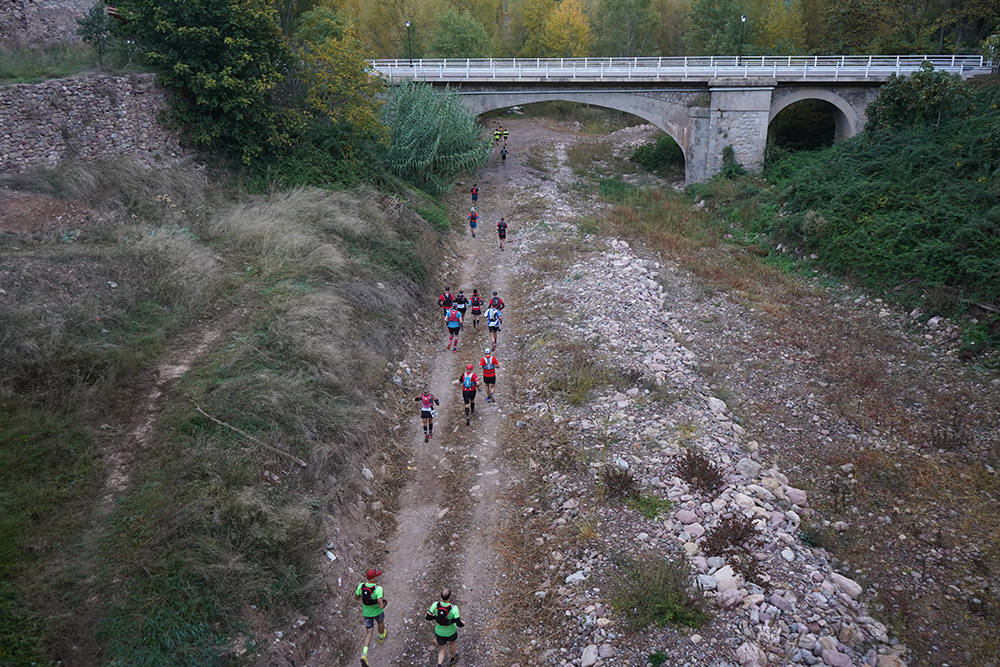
x=913, y=204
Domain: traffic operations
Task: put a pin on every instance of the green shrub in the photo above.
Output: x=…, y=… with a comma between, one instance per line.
x=654, y=591
x=659, y=155
x=29, y=64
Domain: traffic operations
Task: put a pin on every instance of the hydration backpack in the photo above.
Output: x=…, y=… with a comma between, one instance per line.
x=467, y=381
x=443, y=611
x=367, y=595
x=453, y=316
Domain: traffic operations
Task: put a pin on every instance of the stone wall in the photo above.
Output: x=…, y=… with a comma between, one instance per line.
x=40, y=21
x=86, y=116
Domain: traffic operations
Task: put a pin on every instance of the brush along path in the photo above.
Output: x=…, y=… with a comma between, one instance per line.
x=618, y=394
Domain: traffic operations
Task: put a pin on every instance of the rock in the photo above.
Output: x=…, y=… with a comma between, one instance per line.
x=717, y=406
x=848, y=586
x=576, y=577
x=847, y=468
x=621, y=463
x=706, y=582
x=934, y=322
x=731, y=598
x=687, y=516
x=570, y=504
x=368, y=474
x=726, y=579
x=750, y=654
x=590, y=656
x=695, y=530
x=748, y=468
x=889, y=660
x=835, y=658
x=796, y=496
x=788, y=555
x=606, y=651
x=743, y=500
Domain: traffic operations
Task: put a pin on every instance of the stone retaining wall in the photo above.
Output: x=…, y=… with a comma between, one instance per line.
x=40, y=21
x=86, y=116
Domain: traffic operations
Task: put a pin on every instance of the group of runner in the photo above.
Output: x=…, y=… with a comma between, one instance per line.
x=456, y=309
x=498, y=134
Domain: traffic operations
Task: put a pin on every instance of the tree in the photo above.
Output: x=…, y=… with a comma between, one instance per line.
x=432, y=136
x=460, y=35
x=923, y=97
x=715, y=26
x=782, y=27
x=625, y=28
x=95, y=29
x=223, y=59
x=527, y=34
x=567, y=31
x=672, y=23
x=335, y=70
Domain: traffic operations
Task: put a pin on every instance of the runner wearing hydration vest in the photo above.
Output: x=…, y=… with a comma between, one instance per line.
x=427, y=403
x=447, y=621
x=453, y=319
x=496, y=136
x=476, y=302
x=493, y=321
x=496, y=301
x=470, y=383
x=506, y=135
x=489, y=365
x=503, y=155
x=502, y=231
x=372, y=610
x=461, y=303
x=444, y=301
x=475, y=192
x=473, y=221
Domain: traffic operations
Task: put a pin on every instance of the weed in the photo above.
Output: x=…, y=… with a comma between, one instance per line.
x=816, y=535
x=655, y=591
x=588, y=225
x=29, y=64
x=617, y=483
x=661, y=155
x=649, y=505
x=735, y=539
x=657, y=659
x=700, y=472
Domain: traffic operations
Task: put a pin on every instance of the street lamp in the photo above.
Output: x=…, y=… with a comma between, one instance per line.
x=743, y=25
x=409, y=46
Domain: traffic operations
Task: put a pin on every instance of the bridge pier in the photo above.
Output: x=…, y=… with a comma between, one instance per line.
x=738, y=116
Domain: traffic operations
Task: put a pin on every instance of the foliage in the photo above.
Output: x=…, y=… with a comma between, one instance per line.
x=336, y=72
x=432, y=137
x=95, y=29
x=923, y=97
x=224, y=60
x=625, y=28
x=912, y=211
x=460, y=35
x=26, y=65
x=715, y=27
x=659, y=155
x=699, y=472
x=736, y=539
x=649, y=505
x=730, y=167
x=654, y=591
x=657, y=659
x=527, y=30
x=617, y=482
x=567, y=31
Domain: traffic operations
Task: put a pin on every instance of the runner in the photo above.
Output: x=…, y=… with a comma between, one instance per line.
x=453, y=319
x=489, y=365
x=427, y=403
x=447, y=621
x=493, y=321
x=496, y=301
x=503, y=155
x=473, y=220
x=502, y=232
x=496, y=136
x=477, y=308
x=372, y=610
x=475, y=193
x=506, y=135
x=461, y=303
x=470, y=383
x=444, y=301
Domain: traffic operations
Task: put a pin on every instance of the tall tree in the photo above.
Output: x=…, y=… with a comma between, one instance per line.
x=673, y=22
x=460, y=35
x=567, y=31
x=527, y=30
x=625, y=28
x=782, y=29
x=715, y=26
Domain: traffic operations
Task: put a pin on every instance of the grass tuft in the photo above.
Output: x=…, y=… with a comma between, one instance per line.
x=653, y=591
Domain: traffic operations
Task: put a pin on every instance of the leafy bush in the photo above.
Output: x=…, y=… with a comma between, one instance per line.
x=925, y=96
x=432, y=137
x=735, y=539
x=659, y=155
x=649, y=505
x=654, y=591
x=617, y=482
x=27, y=64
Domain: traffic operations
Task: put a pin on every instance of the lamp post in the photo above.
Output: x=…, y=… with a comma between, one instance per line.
x=743, y=25
x=409, y=46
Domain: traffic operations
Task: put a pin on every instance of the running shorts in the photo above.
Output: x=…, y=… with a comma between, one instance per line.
x=444, y=640
x=453, y=331
x=492, y=329
x=490, y=379
x=468, y=395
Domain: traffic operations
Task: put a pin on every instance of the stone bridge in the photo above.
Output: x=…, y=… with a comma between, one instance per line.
x=705, y=104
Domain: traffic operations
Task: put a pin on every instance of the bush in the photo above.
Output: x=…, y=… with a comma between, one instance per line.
x=659, y=155
x=735, y=539
x=617, y=482
x=654, y=591
x=699, y=472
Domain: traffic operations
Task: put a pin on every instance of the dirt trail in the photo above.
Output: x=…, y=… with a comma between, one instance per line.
x=449, y=507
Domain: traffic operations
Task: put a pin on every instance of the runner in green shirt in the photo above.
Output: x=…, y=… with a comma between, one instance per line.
x=372, y=606
x=446, y=624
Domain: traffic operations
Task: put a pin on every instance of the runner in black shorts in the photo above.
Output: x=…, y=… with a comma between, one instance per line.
x=502, y=231
x=470, y=383
x=477, y=308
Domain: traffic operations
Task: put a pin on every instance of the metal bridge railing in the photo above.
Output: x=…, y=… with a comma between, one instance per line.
x=685, y=68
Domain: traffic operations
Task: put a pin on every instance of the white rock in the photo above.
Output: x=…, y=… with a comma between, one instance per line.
x=750, y=655
x=788, y=555
x=717, y=406
x=748, y=467
x=368, y=474
x=590, y=656
x=726, y=579
x=849, y=586
x=576, y=577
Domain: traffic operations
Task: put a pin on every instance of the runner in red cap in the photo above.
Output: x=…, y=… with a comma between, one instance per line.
x=470, y=383
x=372, y=606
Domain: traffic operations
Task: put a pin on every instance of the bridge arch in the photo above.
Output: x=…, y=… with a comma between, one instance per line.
x=849, y=121
x=671, y=118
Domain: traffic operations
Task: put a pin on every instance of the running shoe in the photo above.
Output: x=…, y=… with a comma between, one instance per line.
x=381, y=637
x=364, y=660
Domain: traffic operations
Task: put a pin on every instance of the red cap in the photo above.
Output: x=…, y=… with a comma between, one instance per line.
x=468, y=367
x=371, y=574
